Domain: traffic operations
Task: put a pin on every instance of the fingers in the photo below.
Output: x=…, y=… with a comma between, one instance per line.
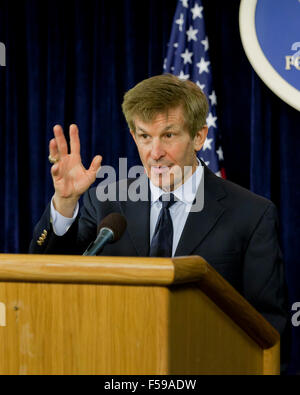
x=55, y=170
x=58, y=149
x=61, y=142
x=74, y=140
x=53, y=150
x=61, y=147
x=95, y=165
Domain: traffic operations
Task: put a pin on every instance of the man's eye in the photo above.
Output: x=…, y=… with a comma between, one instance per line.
x=169, y=135
x=143, y=136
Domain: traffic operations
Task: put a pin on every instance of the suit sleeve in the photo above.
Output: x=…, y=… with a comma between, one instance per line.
x=77, y=238
x=264, y=279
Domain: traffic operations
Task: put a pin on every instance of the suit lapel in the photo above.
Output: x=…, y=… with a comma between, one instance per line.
x=199, y=224
x=137, y=214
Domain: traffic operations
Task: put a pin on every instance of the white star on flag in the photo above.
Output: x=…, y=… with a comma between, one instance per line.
x=202, y=87
x=203, y=66
x=206, y=162
x=206, y=44
x=187, y=56
x=207, y=144
x=183, y=76
x=220, y=153
x=197, y=12
x=211, y=121
x=185, y=3
x=191, y=33
x=213, y=98
x=180, y=22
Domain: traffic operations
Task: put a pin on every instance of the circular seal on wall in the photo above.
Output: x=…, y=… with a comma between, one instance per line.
x=270, y=33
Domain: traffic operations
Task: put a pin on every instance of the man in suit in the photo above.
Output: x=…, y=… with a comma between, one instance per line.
x=235, y=230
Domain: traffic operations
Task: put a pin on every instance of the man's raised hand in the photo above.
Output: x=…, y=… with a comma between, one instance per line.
x=70, y=178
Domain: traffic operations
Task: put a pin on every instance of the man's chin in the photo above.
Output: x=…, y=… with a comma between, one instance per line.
x=163, y=182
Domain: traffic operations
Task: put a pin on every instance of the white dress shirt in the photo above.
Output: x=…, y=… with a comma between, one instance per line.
x=61, y=224
x=179, y=211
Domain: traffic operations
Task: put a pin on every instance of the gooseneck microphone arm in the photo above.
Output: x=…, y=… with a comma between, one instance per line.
x=105, y=236
x=110, y=230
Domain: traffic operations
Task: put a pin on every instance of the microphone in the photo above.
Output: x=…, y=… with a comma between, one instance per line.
x=110, y=230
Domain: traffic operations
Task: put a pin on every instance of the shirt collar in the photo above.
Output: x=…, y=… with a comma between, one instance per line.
x=186, y=192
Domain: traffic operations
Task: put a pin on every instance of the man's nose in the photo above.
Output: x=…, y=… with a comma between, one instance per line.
x=157, y=149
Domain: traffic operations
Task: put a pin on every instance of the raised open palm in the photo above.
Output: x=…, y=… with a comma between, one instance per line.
x=70, y=178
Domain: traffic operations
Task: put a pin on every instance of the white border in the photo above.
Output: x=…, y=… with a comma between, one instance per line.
x=258, y=60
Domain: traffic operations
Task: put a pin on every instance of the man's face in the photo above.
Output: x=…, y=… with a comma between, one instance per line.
x=166, y=149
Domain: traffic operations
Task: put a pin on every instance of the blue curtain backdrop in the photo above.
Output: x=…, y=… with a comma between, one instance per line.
x=72, y=61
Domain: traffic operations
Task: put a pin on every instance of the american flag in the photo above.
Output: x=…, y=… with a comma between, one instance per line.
x=188, y=58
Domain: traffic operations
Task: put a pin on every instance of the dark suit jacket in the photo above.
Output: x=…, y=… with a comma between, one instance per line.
x=236, y=232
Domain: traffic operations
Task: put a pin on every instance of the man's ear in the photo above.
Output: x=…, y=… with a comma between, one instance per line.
x=200, y=138
x=132, y=132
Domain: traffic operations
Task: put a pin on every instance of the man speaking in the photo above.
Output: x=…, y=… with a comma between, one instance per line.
x=235, y=230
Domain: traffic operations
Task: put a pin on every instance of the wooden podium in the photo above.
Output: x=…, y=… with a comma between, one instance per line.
x=111, y=315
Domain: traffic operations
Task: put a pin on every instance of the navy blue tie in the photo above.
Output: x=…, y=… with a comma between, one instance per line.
x=162, y=241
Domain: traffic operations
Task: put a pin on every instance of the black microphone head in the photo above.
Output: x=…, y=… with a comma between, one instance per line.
x=116, y=222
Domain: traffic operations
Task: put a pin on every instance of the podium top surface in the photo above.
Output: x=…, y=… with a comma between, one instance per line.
x=101, y=270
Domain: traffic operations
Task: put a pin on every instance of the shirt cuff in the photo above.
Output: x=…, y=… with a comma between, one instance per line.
x=61, y=224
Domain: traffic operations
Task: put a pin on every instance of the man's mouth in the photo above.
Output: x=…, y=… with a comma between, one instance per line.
x=158, y=170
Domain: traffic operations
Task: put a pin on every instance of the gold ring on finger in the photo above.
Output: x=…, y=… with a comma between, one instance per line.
x=52, y=160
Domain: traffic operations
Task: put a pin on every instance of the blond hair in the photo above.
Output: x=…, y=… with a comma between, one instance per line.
x=163, y=92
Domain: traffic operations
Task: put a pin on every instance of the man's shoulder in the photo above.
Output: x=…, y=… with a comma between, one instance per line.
x=235, y=190
x=236, y=195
